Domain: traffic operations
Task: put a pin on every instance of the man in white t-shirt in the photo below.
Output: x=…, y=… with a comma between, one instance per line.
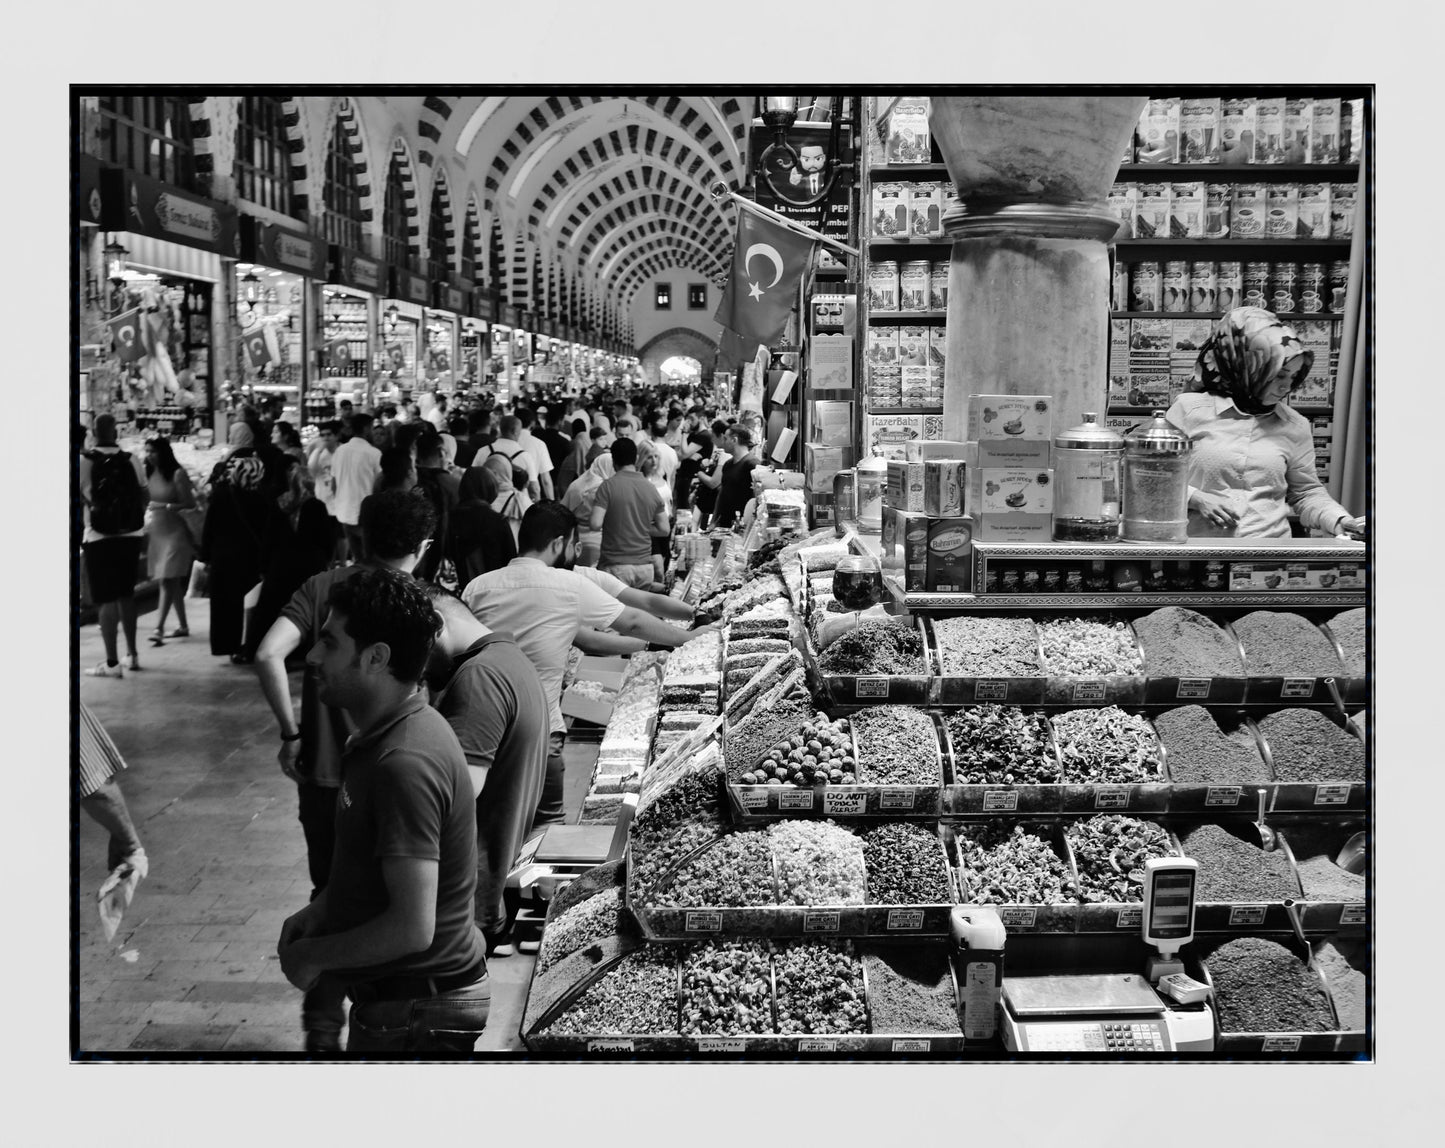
x=354, y=467
x=508, y=445
x=437, y=416
x=537, y=449
x=319, y=463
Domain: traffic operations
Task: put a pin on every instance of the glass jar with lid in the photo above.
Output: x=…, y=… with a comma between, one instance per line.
x=1088, y=473
x=869, y=484
x=1156, y=482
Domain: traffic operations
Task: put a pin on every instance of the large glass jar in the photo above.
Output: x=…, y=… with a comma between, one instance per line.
x=1088, y=464
x=1156, y=482
x=858, y=582
x=871, y=481
x=845, y=505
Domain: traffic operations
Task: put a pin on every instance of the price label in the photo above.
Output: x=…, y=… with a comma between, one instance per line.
x=1354, y=915
x=753, y=796
x=1131, y=917
x=1111, y=797
x=1246, y=915
x=822, y=922
x=1332, y=794
x=807, y=1045
x=912, y=1045
x=1092, y=690
x=706, y=921
x=609, y=1046
x=1223, y=795
x=1019, y=918
x=897, y=799
x=1000, y=800
x=1297, y=688
x=1193, y=688
x=796, y=799
x=845, y=803
x=990, y=691
x=900, y=919
x=721, y=1044
x=1280, y=1044
x=870, y=687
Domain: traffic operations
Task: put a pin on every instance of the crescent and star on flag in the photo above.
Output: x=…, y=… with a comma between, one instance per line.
x=769, y=252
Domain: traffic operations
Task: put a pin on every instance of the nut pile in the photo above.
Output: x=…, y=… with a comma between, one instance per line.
x=1001, y=745
x=988, y=647
x=820, y=988
x=1261, y=986
x=1080, y=648
x=1107, y=746
x=1321, y=879
x=1180, y=643
x=890, y=647
x=906, y=866
x=1344, y=960
x=1306, y=746
x=821, y=753
x=597, y=917
x=638, y=995
x=1283, y=645
x=738, y=870
x=1199, y=754
x=897, y=745
x=727, y=988
x=1110, y=851
x=1233, y=870
x=1003, y=866
x=750, y=740
x=910, y=989
x=1349, y=631
x=818, y=863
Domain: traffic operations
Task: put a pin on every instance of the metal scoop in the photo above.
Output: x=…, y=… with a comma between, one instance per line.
x=1267, y=839
x=1354, y=855
x=1335, y=694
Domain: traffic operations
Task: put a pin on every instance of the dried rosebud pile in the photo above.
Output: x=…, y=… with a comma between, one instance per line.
x=638, y=995
x=1260, y=986
x=1285, y=645
x=1349, y=631
x=906, y=866
x=821, y=753
x=1001, y=745
x=1304, y=745
x=820, y=988
x=1003, y=866
x=898, y=746
x=1232, y=870
x=818, y=863
x=894, y=648
x=988, y=647
x=1180, y=643
x=727, y=988
x=1199, y=754
x=738, y=870
x=1107, y=746
x=1110, y=851
x=597, y=917
x=1080, y=648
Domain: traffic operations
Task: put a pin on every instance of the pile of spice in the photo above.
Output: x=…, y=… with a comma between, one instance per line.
x=1080, y=648
x=897, y=746
x=736, y=871
x=1349, y=631
x=748, y=741
x=988, y=647
x=1110, y=851
x=1321, y=879
x=1180, y=643
x=1305, y=745
x=1201, y=754
x=1233, y=870
x=1343, y=961
x=1107, y=745
x=1001, y=745
x=821, y=753
x=1261, y=986
x=876, y=647
x=910, y=989
x=818, y=863
x=638, y=995
x=906, y=866
x=820, y=988
x=1011, y=866
x=727, y=988
x=1283, y=645
x=599, y=916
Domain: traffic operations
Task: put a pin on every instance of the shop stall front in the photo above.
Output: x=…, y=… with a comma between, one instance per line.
x=441, y=351
x=272, y=287
x=403, y=315
x=505, y=356
x=473, y=345
x=349, y=325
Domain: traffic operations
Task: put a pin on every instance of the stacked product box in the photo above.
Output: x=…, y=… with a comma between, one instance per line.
x=888, y=436
x=1011, y=490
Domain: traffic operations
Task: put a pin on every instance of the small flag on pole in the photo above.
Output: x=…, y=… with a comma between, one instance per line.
x=768, y=263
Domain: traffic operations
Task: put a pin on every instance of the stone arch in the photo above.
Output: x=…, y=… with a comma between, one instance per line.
x=293, y=121
x=401, y=153
x=676, y=341
x=348, y=121
x=441, y=186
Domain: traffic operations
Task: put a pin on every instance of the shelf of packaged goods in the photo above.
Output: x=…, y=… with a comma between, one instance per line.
x=1287, y=316
x=919, y=601
x=1142, y=248
x=939, y=242
x=1237, y=173
x=882, y=172
x=919, y=410
x=898, y=318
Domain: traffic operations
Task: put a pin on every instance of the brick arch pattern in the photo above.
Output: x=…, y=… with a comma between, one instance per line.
x=431, y=122
x=624, y=275
x=649, y=235
x=519, y=274
x=642, y=273
x=472, y=219
x=640, y=220
x=676, y=341
x=440, y=186
x=599, y=230
x=296, y=143
x=348, y=121
x=639, y=181
x=204, y=139
x=401, y=155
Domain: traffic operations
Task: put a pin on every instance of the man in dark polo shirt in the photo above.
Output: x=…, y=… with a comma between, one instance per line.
x=395, y=923
x=630, y=512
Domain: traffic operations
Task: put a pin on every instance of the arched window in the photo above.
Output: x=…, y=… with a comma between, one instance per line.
x=341, y=196
x=151, y=135
x=438, y=250
x=263, y=154
x=395, y=222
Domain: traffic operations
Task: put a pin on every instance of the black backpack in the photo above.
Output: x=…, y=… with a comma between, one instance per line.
x=117, y=500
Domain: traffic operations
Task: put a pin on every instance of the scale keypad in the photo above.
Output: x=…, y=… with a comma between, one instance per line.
x=1122, y=1036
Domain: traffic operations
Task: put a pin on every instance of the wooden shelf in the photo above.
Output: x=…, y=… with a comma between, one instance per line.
x=1290, y=315
x=909, y=241
x=925, y=410
x=1141, y=246
x=1237, y=173
x=900, y=170
x=898, y=318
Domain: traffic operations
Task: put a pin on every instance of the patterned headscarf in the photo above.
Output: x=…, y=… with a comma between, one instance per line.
x=245, y=473
x=1243, y=354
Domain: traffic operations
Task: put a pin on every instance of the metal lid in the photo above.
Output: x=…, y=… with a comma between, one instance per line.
x=1089, y=435
x=1157, y=436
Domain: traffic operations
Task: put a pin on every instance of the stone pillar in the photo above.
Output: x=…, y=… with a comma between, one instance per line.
x=1028, y=284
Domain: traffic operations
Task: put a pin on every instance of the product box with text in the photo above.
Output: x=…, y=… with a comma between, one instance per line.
x=1198, y=130
x=1158, y=134
x=1122, y=197
x=1269, y=128
x=1342, y=210
x=1247, y=211
x=1151, y=211
x=1236, y=131
x=1314, y=211
x=923, y=450
x=909, y=139
x=890, y=210
x=1186, y=210
x=925, y=209
x=888, y=436
x=1325, y=132
x=1014, y=504
x=935, y=553
x=1281, y=218
x=1011, y=429
x=913, y=346
x=1299, y=119
x=881, y=345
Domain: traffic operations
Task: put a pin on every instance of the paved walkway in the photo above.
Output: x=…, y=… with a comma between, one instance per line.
x=193, y=967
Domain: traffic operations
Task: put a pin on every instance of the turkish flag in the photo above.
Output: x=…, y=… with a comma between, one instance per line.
x=260, y=346
x=768, y=263
x=338, y=353
x=125, y=336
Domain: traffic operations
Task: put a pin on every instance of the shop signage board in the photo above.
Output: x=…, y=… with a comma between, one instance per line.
x=273, y=246
x=351, y=268
x=145, y=206
x=453, y=299
x=833, y=215
x=409, y=286
x=511, y=316
x=88, y=201
x=483, y=306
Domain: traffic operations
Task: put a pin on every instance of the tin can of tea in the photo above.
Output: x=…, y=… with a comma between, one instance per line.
x=1229, y=286
x=1203, y=286
x=1311, y=288
x=1256, y=285
x=1284, y=289
x=1145, y=288
x=1175, y=286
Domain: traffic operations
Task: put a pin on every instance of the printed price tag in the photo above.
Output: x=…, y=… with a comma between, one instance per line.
x=609, y=1046
x=912, y=1045
x=796, y=799
x=905, y=919
x=1093, y=690
x=897, y=799
x=1297, y=688
x=1354, y=915
x=703, y=922
x=1246, y=915
x=753, y=796
x=1223, y=795
x=1332, y=794
x=1019, y=918
x=1111, y=797
x=1131, y=917
x=844, y=804
x=821, y=922
x=870, y=687
x=1193, y=687
x=721, y=1044
x=999, y=800
x=990, y=691
x=808, y=1045
x=1280, y=1044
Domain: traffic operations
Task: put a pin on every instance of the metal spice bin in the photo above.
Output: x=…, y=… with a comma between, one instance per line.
x=1300, y=796
x=975, y=798
x=1277, y=690
x=1221, y=799
x=952, y=690
x=1239, y=918
x=1111, y=689
x=1131, y=797
x=1354, y=691
x=1106, y=916
x=1062, y=917
x=1327, y=917
x=1182, y=691
x=854, y=691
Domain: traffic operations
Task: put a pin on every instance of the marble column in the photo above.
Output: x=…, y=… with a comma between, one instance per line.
x=1028, y=285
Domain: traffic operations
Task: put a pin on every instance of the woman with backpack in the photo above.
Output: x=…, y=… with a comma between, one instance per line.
x=113, y=490
x=170, y=552
x=512, y=495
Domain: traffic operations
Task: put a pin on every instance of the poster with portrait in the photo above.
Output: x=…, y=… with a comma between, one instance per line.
x=783, y=186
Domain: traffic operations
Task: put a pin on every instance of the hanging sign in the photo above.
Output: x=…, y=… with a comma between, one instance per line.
x=273, y=246
x=87, y=189
x=352, y=269
x=145, y=206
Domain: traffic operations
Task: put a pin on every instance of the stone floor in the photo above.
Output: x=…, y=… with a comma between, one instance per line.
x=193, y=966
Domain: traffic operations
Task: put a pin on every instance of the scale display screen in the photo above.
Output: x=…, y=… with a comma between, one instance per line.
x=1169, y=911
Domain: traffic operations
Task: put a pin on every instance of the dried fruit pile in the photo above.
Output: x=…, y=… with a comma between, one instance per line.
x=897, y=746
x=599, y=916
x=1234, y=870
x=1003, y=866
x=910, y=989
x=1278, y=644
x=988, y=647
x=906, y=866
x=820, y=988
x=654, y=853
x=1109, y=853
x=1305, y=745
x=1349, y=631
x=1261, y=986
x=638, y=995
x=894, y=648
x=1107, y=746
x=1001, y=745
x=1180, y=643
x=1344, y=960
x=727, y=988
x=820, y=753
x=1080, y=648
x=1199, y=754
x=736, y=871
x=818, y=863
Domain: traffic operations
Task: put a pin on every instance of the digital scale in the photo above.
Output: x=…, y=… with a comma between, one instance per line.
x=1121, y=1012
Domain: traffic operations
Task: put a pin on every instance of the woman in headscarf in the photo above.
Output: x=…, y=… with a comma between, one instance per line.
x=579, y=499
x=237, y=520
x=512, y=498
x=480, y=539
x=1254, y=458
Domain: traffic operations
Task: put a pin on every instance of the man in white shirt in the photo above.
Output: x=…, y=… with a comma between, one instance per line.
x=319, y=463
x=354, y=467
x=508, y=445
x=437, y=416
x=537, y=449
x=543, y=603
